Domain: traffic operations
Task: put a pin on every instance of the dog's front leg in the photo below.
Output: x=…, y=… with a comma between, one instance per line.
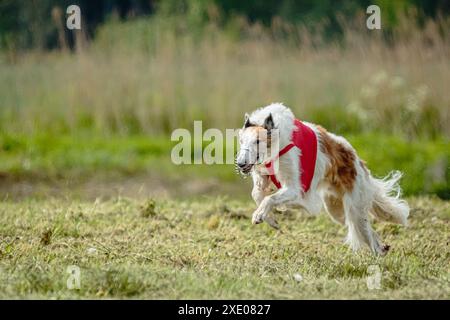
x=282, y=196
x=259, y=192
x=260, y=185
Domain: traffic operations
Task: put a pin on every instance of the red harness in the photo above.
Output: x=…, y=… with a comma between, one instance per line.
x=304, y=138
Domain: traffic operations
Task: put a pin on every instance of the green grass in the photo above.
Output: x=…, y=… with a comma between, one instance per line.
x=75, y=157
x=208, y=248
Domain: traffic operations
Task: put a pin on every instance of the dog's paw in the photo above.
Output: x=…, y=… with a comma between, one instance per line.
x=381, y=250
x=256, y=218
x=384, y=249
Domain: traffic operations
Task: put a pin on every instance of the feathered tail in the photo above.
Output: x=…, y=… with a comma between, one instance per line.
x=387, y=204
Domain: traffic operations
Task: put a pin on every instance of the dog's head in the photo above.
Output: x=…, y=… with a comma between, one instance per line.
x=255, y=142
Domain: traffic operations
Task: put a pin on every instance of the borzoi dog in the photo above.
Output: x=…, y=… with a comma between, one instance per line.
x=315, y=168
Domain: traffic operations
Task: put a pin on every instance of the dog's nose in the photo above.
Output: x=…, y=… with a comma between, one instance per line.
x=241, y=164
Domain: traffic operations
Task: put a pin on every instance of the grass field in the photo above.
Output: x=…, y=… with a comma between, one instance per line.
x=86, y=178
x=138, y=226
x=208, y=248
x=71, y=160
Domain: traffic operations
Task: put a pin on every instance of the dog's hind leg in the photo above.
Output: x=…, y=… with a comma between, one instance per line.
x=360, y=231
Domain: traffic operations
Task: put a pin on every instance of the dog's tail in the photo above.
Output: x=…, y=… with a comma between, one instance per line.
x=387, y=204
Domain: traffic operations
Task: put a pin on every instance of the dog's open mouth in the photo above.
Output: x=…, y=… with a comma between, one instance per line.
x=243, y=171
x=246, y=169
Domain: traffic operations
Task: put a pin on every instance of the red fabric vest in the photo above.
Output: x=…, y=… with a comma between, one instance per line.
x=304, y=138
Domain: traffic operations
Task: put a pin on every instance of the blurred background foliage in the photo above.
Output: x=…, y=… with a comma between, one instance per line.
x=27, y=24
x=103, y=97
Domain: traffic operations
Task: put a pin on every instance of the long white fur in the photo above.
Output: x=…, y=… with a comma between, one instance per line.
x=368, y=192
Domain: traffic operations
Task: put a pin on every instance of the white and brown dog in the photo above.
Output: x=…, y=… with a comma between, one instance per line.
x=315, y=168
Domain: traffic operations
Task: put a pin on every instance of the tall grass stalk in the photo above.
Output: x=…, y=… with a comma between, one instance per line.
x=153, y=75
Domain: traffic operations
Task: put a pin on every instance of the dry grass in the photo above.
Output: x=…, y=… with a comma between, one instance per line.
x=209, y=249
x=145, y=76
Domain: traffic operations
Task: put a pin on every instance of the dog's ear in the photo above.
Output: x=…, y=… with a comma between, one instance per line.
x=247, y=121
x=268, y=123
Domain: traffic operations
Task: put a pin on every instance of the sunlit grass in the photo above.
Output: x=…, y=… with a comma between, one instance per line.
x=210, y=249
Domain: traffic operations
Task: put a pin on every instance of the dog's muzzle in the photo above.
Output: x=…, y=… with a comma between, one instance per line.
x=243, y=169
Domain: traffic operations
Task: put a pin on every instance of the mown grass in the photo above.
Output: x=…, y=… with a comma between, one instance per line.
x=208, y=248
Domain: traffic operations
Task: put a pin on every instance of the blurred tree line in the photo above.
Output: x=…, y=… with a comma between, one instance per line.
x=26, y=24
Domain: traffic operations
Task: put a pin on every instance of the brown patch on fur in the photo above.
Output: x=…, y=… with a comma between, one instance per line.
x=341, y=173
